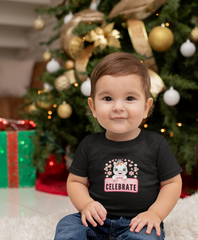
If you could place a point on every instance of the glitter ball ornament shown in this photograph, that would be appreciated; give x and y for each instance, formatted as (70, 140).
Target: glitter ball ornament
(64, 110)
(76, 46)
(86, 87)
(171, 97)
(53, 66)
(161, 38)
(62, 83)
(194, 34)
(39, 23)
(47, 56)
(69, 64)
(188, 48)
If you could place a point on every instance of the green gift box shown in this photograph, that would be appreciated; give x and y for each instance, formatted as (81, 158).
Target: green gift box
(16, 168)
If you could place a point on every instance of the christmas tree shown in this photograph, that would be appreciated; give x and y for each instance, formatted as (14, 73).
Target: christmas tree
(162, 34)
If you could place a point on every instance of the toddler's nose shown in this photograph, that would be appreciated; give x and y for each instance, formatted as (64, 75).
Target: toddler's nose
(118, 106)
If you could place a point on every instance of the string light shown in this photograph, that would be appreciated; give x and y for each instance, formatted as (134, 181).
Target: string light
(54, 106)
(145, 125)
(179, 124)
(76, 84)
(171, 134)
(50, 112)
(89, 23)
(167, 24)
(163, 130)
(49, 117)
(22, 122)
(39, 91)
(51, 163)
(157, 14)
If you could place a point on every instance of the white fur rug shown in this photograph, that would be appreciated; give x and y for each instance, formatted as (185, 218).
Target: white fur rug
(181, 224)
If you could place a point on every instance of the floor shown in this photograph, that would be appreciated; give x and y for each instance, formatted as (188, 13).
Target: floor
(15, 202)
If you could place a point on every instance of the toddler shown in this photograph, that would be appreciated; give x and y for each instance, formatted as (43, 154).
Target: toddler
(115, 177)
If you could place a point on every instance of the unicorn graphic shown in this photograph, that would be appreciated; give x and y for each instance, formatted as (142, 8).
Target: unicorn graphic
(120, 170)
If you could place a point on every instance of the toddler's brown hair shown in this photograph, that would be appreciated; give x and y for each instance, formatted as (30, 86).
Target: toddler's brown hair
(121, 64)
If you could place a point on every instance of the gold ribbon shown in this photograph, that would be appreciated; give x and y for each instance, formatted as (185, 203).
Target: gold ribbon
(134, 12)
(139, 39)
(81, 62)
(131, 9)
(157, 84)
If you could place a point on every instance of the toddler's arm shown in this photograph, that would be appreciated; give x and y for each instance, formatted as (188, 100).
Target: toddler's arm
(91, 210)
(159, 210)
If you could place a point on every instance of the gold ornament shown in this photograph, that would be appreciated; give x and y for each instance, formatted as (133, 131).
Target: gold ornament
(69, 64)
(104, 36)
(161, 38)
(31, 108)
(62, 83)
(64, 110)
(47, 56)
(39, 23)
(194, 34)
(67, 36)
(44, 105)
(142, 9)
(76, 46)
(43, 100)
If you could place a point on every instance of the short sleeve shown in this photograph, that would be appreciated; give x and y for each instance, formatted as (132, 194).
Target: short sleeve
(168, 167)
(79, 164)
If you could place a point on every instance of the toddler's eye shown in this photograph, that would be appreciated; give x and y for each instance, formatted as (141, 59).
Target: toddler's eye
(130, 98)
(107, 99)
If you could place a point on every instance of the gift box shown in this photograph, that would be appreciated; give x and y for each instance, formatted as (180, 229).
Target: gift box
(16, 168)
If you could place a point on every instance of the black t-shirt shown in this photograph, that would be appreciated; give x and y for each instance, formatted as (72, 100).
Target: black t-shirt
(125, 176)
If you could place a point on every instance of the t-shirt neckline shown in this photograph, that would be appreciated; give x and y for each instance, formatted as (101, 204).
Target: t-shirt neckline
(114, 144)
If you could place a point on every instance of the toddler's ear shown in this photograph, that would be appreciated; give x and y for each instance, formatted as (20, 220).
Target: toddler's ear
(148, 105)
(92, 107)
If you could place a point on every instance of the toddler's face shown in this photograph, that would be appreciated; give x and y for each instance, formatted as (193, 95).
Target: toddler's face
(120, 105)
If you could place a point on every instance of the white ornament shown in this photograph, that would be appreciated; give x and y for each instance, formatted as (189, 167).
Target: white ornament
(47, 86)
(171, 97)
(52, 66)
(94, 5)
(68, 17)
(86, 87)
(188, 49)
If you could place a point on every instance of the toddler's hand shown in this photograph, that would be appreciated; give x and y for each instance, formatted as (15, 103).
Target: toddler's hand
(93, 212)
(148, 218)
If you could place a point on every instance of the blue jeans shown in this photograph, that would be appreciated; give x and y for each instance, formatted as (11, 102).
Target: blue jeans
(71, 228)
